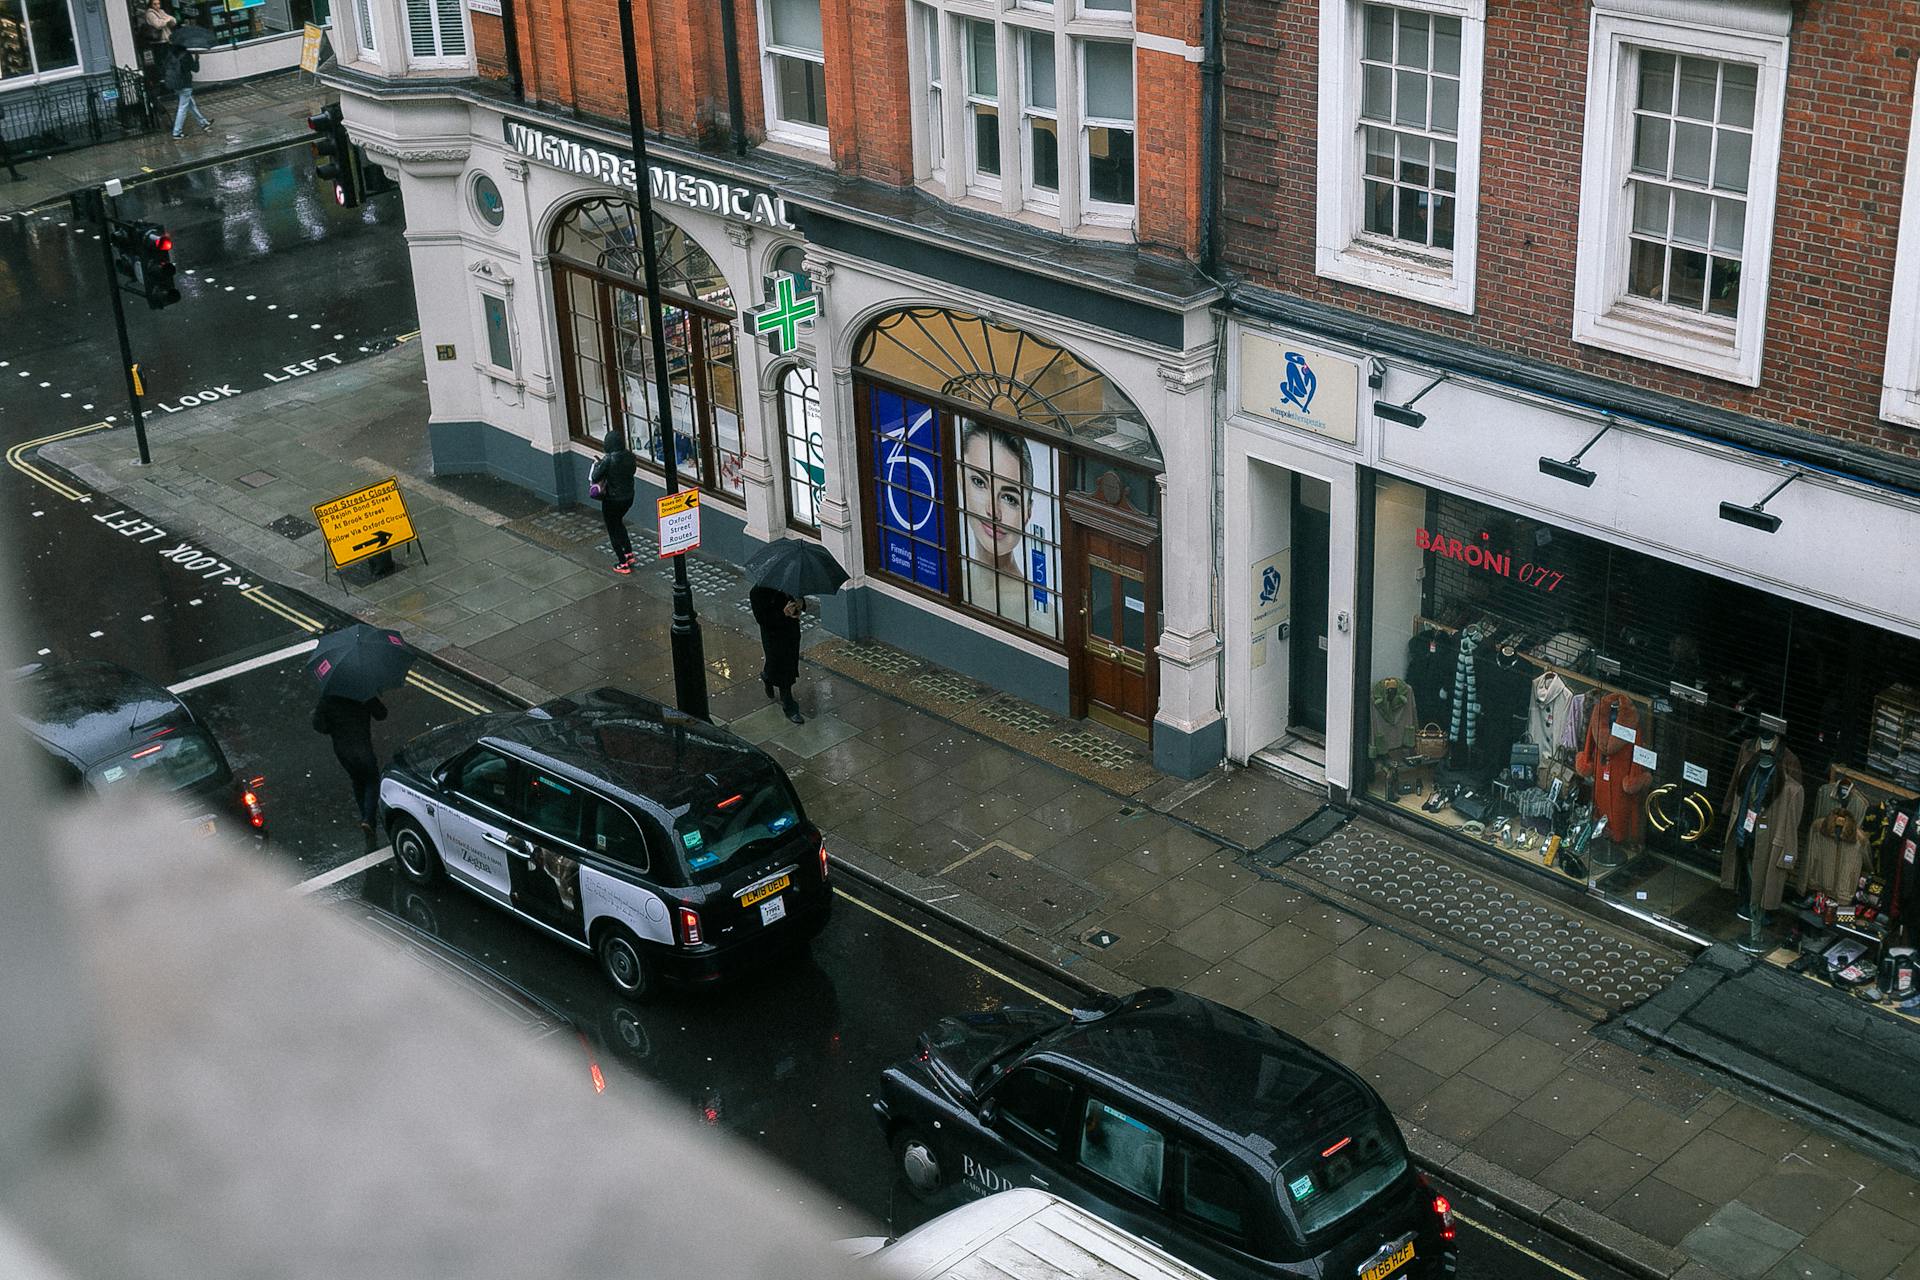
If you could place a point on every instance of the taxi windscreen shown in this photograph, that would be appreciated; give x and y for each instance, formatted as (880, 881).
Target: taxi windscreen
(712, 833)
(1341, 1173)
(168, 764)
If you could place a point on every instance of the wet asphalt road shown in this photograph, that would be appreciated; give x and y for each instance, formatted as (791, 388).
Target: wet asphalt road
(274, 275)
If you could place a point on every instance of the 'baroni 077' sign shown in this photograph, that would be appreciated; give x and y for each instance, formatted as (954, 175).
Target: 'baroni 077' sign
(615, 168)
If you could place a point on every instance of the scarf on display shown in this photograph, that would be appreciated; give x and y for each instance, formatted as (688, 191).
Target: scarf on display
(1466, 692)
(1574, 727)
(1762, 785)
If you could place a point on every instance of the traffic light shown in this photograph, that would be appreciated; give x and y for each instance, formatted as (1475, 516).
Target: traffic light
(333, 155)
(143, 258)
(156, 266)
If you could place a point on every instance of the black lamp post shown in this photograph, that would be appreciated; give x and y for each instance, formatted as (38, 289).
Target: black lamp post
(689, 660)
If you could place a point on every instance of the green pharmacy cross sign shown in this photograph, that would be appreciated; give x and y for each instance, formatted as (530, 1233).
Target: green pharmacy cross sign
(782, 317)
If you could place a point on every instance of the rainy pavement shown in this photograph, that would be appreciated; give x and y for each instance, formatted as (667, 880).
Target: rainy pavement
(277, 283)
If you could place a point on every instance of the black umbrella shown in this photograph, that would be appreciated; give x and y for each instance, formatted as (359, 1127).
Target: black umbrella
(359, 661)
(191, 38)
(797, 568)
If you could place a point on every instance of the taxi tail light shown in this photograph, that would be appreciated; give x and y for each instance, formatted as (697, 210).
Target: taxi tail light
(689, 927)
(1442, 1209)
(250, 799)
(823, 861)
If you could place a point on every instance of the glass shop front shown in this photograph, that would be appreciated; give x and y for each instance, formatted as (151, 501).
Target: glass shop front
(1701, 752)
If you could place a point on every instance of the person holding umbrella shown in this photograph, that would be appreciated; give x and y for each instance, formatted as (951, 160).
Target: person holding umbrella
(353, 666)
(179, 62)
(784, 574)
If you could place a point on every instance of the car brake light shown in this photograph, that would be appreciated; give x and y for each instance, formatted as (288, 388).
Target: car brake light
(729, 802)
(147, 751)
(1335, 1147)
(689, 927)
(823, 860)
(1443, 1210)
(256, 815)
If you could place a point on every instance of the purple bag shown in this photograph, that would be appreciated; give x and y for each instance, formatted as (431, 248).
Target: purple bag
(594, 490)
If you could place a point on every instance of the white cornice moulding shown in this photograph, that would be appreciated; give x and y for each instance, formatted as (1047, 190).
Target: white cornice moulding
(1168, 44)
(1761, 17)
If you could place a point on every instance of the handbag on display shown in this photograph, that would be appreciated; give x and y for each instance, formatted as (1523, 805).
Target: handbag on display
(1526, 755)
(1430, 742)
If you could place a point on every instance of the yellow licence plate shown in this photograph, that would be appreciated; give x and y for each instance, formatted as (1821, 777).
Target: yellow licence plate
(772, 887)
(1386, 1267)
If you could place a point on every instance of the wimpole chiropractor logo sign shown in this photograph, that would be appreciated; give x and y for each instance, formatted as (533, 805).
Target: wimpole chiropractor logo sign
(1298, 385)
(575, 155)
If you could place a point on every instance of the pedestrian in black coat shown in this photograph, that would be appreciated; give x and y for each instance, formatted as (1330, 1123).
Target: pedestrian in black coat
(350, 724)
(779, 617)
(612, 473)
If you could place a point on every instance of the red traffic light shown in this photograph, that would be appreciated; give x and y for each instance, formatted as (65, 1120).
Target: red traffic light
(164, 244)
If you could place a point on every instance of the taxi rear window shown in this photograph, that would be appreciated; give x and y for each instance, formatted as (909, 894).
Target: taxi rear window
(170, 763)
(715, 831)
(1341, 1173)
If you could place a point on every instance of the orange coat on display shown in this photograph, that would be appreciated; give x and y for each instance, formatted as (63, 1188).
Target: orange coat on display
(1606, 760)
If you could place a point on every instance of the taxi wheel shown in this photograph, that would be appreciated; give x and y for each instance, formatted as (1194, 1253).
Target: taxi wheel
(918, 1163)
(415, 853)
(621, 960)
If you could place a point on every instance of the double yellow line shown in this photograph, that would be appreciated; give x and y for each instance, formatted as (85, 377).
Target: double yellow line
(446, 695)
(17, 459)
(284, 610)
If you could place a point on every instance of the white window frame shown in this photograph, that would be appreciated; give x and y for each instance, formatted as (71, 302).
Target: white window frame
(37, 76)
(929, 76)
(1604, 314)
(440, 59)
(780, 129)
(1101, 213)
(1035, 197)
(1900, 380)
(1343, 250)
(985, 186)
(489, 281)
(363, 32)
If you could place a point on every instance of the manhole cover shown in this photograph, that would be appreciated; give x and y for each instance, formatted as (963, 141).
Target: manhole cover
(292, 527)
(254, 479)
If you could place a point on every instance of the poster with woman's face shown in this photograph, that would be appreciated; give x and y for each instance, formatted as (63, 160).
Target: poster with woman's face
(1010, 525)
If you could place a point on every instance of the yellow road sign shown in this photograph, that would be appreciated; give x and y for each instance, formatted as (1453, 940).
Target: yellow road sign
(310, 47)
(364, 523)
(679, 522)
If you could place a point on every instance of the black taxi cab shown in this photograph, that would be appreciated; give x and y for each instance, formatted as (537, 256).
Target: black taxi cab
(1231, 1145)
(670, 849)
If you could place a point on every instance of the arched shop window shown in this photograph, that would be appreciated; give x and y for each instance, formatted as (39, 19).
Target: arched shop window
(971, 433)
(608, 351)
(801, 446)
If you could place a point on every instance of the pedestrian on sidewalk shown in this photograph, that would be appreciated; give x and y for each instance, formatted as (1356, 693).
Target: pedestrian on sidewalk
(779, 617)
(6, 155)
(177, 75)
(349, 722)
(156, 24)
(611, 481)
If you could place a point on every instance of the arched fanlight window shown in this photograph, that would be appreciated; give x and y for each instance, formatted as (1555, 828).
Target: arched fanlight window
(604, 233)
(1008, 372)
(802, 445)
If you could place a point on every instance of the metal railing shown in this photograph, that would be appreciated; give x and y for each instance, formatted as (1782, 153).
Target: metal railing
(68, 114)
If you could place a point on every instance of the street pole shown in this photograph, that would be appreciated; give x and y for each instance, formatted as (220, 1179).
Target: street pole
(689, 659)
(106, 210)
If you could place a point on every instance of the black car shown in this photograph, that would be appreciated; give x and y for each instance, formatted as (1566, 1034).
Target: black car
(102, 727)
(1229, 1144)
(668, 848)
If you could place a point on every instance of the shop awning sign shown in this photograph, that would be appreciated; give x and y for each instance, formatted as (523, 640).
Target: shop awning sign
(787, 314)
(679, 515)
(364, 523)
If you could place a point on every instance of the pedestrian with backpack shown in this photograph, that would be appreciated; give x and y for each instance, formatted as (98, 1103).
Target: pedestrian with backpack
(177, 75)
(611, 482)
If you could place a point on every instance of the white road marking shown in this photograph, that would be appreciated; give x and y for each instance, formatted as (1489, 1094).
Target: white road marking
(44, 652)
(95, 635)
(926, 937)
(241, 668)
(146, 617)
(343, 871)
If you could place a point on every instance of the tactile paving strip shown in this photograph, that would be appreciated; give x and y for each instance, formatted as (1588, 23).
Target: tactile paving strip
(1534, 935)
(882, 658)
(1093, 747)
(573, 525)
(807, 620)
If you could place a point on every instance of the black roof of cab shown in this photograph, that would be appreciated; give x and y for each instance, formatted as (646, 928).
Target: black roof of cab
(645, 752)
(90, 711)
(1218, 1070)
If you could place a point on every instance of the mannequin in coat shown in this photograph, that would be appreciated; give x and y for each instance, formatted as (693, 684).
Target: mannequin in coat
(1762, 848)
(1606, 760)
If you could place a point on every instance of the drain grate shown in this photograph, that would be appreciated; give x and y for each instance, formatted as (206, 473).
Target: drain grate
(882, 658)
(1017, 716)
(1096, 749)
(947, 686)
(293, 527)
(1563, 948)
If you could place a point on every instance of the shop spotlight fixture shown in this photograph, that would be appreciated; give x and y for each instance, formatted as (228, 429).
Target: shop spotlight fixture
(1571, 471)
(1757, 516)
(1405, 414)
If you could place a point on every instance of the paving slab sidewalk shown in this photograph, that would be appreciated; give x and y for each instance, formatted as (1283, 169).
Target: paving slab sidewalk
(1468, 999)
(256, 115)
